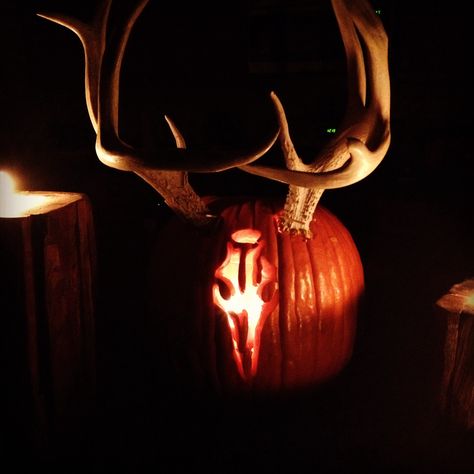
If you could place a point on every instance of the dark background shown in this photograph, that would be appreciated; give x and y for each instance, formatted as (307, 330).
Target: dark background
(411, 219)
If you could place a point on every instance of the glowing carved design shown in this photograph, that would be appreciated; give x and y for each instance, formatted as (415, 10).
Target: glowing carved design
(250, 295)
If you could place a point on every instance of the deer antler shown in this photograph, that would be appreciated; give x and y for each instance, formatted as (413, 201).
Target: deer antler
(364, 137)
(104, 51)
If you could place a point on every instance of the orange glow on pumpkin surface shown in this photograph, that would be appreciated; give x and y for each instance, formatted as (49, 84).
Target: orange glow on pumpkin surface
(247, 295)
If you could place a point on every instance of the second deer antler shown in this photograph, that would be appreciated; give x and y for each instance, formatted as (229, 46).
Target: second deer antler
(364, 136)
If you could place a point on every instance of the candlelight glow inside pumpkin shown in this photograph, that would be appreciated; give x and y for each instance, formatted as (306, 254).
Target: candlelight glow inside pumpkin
(247, 279)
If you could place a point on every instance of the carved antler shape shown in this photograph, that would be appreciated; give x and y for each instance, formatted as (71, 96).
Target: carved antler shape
(104, 51)
(364, 136)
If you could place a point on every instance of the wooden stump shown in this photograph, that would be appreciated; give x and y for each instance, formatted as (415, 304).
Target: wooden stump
(47, 322)
(457, 396)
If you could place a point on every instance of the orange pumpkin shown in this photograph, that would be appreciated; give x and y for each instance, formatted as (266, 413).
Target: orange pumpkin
(306, 331)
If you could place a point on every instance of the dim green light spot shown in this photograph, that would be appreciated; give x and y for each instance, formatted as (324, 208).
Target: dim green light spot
(330, 130)
(378, 12)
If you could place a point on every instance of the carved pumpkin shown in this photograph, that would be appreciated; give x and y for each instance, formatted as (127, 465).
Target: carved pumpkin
(307, 335)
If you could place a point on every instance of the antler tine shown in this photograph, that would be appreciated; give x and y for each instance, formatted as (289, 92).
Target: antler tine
(178, 137)
(362, 163)
(364, 138)
(92, 37)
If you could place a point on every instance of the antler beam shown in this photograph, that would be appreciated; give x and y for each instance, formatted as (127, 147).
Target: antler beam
(104, 51)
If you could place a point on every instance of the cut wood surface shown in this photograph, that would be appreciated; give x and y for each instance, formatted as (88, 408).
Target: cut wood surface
(457, 397)
(47, 336)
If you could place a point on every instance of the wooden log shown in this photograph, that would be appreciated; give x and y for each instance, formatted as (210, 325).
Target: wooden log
(47, 321)
(457, 394)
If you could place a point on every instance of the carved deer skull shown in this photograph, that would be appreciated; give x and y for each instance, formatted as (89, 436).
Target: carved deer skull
(357, 149)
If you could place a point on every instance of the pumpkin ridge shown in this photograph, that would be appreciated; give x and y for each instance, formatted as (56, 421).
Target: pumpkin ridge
(286, 279)
(333, 228)
(319, 257)
(294, 304)
(273, 225)
(317, 305)
(304, 321)
(347, 264)
(268, 375)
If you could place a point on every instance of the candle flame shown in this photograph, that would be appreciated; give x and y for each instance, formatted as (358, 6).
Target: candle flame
(13, 203)
(7, 184)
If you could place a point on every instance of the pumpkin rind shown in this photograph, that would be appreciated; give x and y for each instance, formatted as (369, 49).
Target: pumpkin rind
(306, 340)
